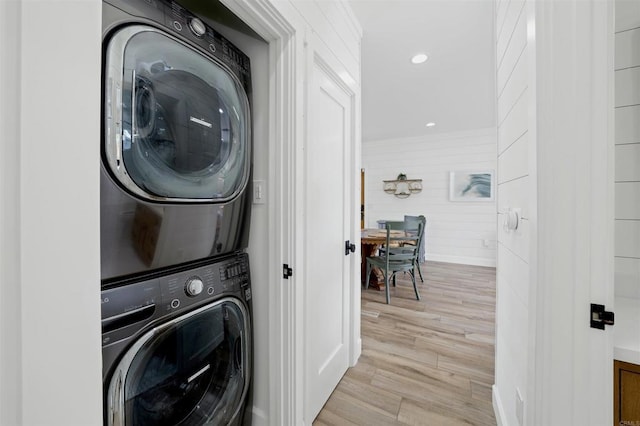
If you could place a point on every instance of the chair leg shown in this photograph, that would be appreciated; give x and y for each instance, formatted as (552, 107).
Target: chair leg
(419, 271)
(368, 275)
(415, 287)
(387, 281)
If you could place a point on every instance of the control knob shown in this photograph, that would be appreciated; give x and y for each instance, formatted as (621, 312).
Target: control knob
(197, 27)
(193, 286)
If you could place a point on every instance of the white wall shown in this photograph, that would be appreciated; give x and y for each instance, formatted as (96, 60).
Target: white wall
(555, 110)
(50, 358)
(627, 116)
(10, 301)
(457, 232)
(515, 190)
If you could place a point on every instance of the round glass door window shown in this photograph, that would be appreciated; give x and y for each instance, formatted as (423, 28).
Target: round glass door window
(191, 372)
(177, 122)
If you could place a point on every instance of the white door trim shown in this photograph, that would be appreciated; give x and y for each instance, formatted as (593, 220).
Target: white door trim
(571, 371)
(285, 406)
(11, 389)
(282, 26)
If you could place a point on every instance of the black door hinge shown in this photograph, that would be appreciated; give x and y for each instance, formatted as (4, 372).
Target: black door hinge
(286, 271)
(600, 317)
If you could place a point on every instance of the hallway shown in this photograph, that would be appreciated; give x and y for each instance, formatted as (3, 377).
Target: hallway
(427, 362)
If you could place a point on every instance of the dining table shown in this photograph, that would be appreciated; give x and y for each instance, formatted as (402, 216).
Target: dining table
(371, 239)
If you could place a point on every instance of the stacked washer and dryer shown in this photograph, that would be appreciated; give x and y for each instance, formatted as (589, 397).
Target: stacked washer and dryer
(175, 211)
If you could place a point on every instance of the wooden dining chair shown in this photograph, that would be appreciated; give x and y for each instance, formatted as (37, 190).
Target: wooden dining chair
(392, 260)
(420, 241)
(414, 236)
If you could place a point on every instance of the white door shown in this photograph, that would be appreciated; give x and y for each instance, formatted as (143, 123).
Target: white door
(572, 369)
(328, 222)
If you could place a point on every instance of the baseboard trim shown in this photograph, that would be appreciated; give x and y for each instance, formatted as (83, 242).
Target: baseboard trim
(497, 407)
(475, 261)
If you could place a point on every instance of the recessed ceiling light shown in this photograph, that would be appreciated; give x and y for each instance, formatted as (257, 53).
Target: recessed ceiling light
(431, 124)
(419, 58)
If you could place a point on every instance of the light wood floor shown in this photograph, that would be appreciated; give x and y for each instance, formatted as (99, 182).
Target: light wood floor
(427, 362)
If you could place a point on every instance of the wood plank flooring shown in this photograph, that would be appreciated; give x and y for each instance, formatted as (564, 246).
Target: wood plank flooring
(427, 362)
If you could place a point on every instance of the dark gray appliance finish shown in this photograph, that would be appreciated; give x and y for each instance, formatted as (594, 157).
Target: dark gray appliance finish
(176, 144)
(177, 347)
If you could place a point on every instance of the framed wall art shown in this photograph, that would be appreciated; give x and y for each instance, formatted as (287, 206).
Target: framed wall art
(471, 185)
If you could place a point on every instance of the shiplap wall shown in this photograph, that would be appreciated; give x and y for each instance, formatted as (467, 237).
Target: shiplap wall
(457, 232)
(627, 116)
(514, 191)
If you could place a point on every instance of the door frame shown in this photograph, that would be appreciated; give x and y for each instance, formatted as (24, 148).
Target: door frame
(286, 33)
(284, 43)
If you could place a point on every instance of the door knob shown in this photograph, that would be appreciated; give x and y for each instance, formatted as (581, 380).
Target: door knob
(349, 248)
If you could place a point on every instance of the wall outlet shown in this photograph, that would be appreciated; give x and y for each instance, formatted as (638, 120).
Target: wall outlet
(519, 407)
(485, 243)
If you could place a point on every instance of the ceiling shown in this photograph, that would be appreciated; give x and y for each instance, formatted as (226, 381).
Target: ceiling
(454, 88)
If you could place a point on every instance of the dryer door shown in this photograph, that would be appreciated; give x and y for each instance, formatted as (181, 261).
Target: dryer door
(193, 370)
(176, 121)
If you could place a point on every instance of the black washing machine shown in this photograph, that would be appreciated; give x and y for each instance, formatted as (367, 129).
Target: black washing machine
(176, 140)
(177, 347)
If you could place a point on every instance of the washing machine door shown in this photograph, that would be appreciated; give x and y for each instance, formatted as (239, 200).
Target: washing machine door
(176, 121)
(193, 370)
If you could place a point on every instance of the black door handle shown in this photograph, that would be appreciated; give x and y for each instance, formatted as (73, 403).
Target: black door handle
(349, 248)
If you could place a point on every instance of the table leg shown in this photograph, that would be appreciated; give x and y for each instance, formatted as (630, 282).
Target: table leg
(377, 277)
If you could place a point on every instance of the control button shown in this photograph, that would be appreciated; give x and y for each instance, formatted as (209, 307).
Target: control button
(177, 25)
(212, 48)
(175, 303)
(210, 291)
(197, 27)
(193, 287)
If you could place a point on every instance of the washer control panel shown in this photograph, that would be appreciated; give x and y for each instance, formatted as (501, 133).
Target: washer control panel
(136, 304)
(183, 289)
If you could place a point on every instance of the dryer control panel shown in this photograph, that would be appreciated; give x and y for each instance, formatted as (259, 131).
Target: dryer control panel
(188, 26)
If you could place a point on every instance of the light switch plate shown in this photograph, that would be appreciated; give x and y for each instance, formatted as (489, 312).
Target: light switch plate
(259, 192)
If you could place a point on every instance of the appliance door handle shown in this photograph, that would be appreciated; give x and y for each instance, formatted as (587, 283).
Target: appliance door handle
(127, 318)
(237, 355)
(116, 403)
(118, 120)
(134, 129)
